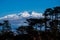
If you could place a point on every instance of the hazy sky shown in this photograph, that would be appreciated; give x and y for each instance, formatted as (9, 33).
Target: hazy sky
(16, 6)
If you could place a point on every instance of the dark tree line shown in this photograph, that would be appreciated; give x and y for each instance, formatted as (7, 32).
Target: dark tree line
(51, 22)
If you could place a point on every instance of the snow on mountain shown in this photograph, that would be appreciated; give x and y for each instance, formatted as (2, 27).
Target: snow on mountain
(20, 18)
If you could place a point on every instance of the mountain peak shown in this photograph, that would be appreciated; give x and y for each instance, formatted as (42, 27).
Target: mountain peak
(24, 14)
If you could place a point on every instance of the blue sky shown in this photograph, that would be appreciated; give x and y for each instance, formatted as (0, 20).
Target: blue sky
(16, 6)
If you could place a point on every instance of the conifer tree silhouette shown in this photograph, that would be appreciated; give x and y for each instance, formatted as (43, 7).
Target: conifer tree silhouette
(7, 34)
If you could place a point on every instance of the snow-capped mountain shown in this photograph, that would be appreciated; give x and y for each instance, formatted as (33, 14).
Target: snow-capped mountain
(20, 18)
